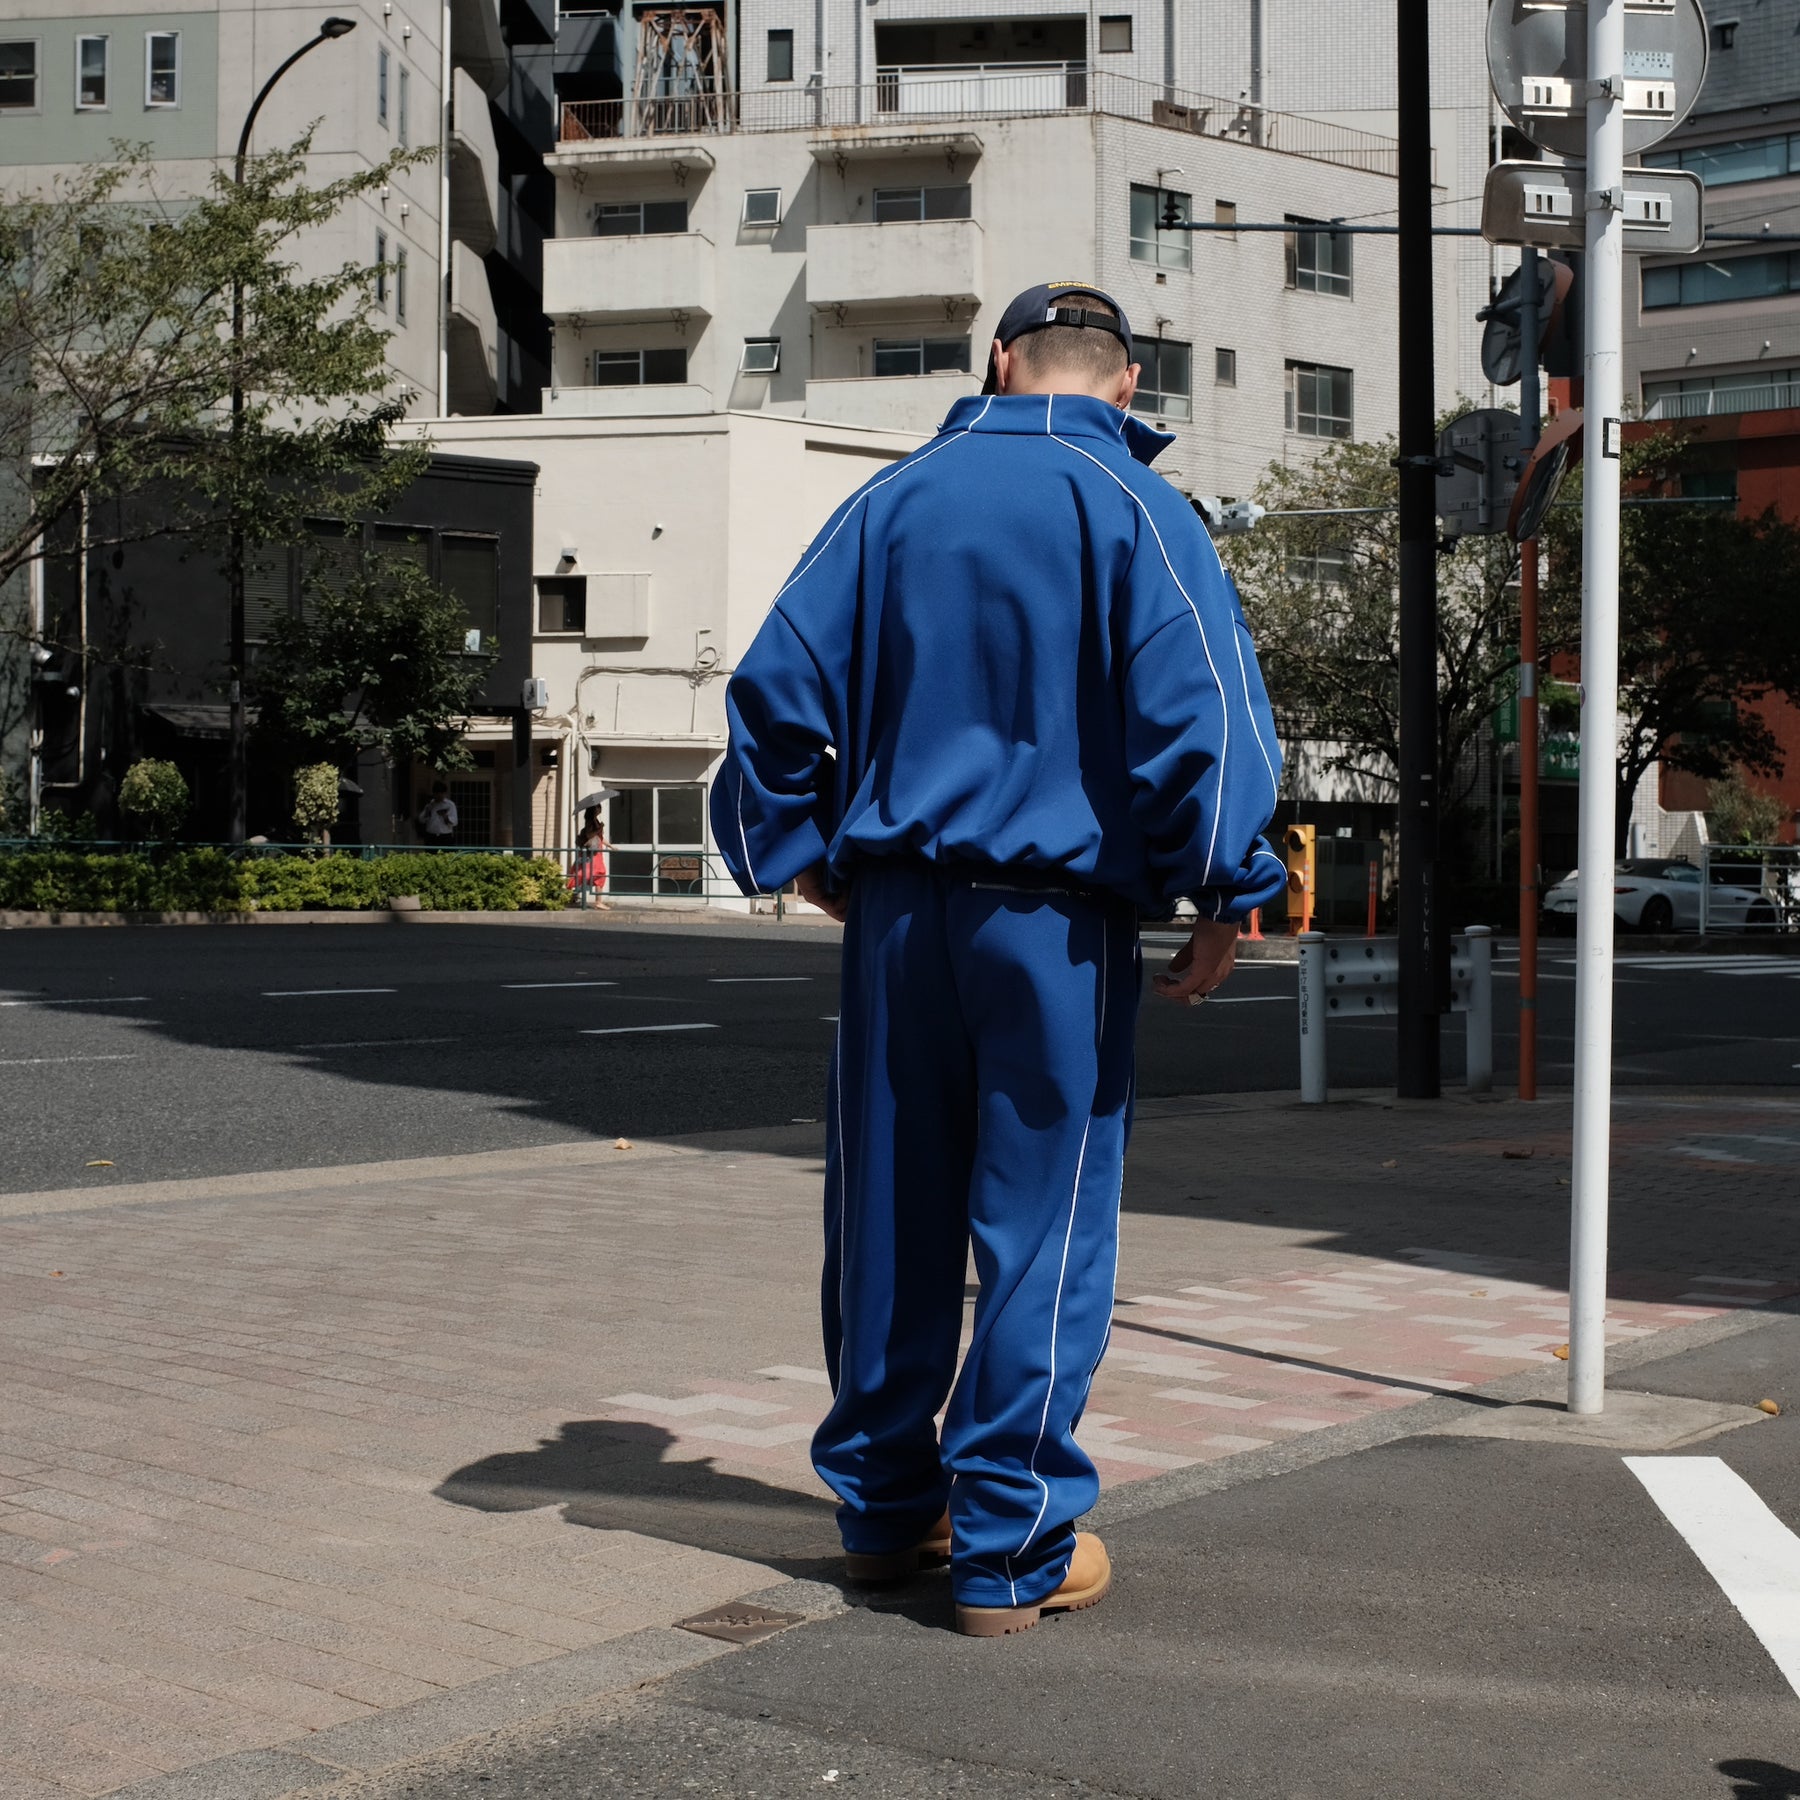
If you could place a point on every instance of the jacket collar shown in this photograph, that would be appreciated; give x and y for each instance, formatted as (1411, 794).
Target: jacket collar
(1058, 415)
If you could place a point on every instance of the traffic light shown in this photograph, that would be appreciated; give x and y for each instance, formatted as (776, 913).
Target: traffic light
(1171, 214)
(1303, 873)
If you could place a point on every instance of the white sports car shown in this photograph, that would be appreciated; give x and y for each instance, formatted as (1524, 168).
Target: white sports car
(1655, 894)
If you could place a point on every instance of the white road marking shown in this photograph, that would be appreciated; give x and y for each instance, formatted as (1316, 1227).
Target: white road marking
(27, 1062)
(517, 986)
(623, 1030)
(373, 1043)
(305, 993)
(742, 980)
(97, 1000)
(1753, 1557)
(1245, 999)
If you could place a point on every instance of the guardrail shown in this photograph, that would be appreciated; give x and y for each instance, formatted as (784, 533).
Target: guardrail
(1360, 978)
(1749, 888)
(1768, 396)
(955, 93)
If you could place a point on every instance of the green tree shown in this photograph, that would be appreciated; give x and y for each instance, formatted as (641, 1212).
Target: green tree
(316, 801)
(1708, 627)
(117, 360)
(375, 661)
(1321, 591)
(154, 797)
(1737, 814)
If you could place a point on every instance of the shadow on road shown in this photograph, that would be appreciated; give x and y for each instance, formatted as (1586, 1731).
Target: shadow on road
(615, 1475)
(1757, 1780)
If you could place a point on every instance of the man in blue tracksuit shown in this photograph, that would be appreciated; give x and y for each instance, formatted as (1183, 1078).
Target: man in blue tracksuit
(1006, 701)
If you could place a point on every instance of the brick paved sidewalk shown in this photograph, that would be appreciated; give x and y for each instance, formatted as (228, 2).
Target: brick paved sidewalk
(278, 1453)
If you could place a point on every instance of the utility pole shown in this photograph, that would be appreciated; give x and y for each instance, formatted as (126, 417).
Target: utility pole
(1603, 278)
(1421, 929)
(239, 748)
(1531, 422)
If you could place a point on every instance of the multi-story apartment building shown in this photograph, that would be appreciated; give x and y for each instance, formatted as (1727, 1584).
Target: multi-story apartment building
(461, 234)
(780, 256)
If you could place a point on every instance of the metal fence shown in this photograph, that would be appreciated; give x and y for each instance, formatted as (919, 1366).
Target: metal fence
(1749, 888)
(1764, 396)
(958, 93)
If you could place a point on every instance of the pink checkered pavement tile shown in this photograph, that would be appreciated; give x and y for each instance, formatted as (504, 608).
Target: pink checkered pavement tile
(1206, 1370)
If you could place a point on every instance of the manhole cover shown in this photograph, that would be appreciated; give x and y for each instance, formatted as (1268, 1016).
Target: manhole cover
(739, 1623)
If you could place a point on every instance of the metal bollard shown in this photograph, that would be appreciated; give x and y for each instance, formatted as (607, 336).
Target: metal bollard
(1481, 1009)
(1312, 1017)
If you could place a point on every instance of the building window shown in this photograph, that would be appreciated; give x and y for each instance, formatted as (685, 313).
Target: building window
(639, 368)
(1744, 159)
(19, 75)
(657, 840)
(762, 356)
(1166, 385)
(162, 68)
(402, 109)
(1318, 400)
(640, 218)
(91, 56)
(1224, 368)
(921, 356)
(1115, 33)
(762, 208)
(1150, 243)
(381, 270)
(1323, 566)
(469, 567)
(562, 605)
(781, 56)
(1318, 262)
(898, 205)
(1225, 213)
(381, 86)
(400, 286)
(1725, 278)
(1725, 34)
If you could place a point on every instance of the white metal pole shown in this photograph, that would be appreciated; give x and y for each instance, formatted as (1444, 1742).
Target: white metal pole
(1312, 1018)
(1604, 276)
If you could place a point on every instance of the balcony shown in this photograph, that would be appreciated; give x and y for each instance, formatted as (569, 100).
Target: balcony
(1738, 396)
(658, 400)
(474, 166)
(622, 280)
(474, 335)
(855, 267)
(957, 90)
(890, 403)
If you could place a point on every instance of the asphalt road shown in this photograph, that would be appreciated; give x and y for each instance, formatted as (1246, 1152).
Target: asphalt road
(190, 1051)
(1437, 1616)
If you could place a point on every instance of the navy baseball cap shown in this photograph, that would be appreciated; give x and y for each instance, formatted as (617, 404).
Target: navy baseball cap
(1057, 303)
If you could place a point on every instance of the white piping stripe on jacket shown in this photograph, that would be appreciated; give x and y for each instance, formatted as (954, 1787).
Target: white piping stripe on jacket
(1061, 1278)
(911, 462)
(744, 837)
(1206, 649)
(1237, 638)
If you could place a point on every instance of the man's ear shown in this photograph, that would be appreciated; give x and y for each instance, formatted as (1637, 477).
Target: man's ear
(1003, 362)
(1127, 388)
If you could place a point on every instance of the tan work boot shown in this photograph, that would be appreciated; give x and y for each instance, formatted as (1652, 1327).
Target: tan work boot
(1089, 1577)
(896, 1565)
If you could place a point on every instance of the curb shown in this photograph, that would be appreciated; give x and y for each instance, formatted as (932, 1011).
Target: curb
(614, 918)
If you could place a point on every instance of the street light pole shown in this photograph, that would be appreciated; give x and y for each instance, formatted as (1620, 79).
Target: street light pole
(239, 749)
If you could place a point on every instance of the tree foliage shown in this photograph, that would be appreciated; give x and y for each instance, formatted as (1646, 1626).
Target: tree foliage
(316, 800)
(1737, 814)
(117, 359)
(1708, 626)
(374, 661)
(1321, 592)
(154, 797)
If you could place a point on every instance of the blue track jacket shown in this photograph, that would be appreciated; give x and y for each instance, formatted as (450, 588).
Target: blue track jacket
(1014, 647)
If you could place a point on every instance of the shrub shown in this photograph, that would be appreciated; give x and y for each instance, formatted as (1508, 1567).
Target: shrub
(154, 797)
(315, 800)
(74, 881)
(1737, 814)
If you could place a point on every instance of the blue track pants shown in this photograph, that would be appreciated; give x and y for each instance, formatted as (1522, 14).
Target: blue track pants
(981, 1091)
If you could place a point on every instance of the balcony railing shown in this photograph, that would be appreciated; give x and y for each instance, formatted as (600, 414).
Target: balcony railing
(954, 93)
(1770, 396)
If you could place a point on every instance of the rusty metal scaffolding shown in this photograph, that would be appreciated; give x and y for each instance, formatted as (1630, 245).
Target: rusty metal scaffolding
(682, 85)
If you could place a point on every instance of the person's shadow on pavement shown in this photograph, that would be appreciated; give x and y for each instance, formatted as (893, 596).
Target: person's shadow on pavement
(615, 1475)
(1758, 1780)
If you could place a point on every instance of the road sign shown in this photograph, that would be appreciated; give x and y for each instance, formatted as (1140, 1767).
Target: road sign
(1538, 62)
(1480, 457)
(1502, 344)
(1545, 204)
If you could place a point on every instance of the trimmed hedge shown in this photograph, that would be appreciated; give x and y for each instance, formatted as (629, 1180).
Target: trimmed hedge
(213, 881)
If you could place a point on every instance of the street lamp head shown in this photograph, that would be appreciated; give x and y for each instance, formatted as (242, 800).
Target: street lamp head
(335, 27)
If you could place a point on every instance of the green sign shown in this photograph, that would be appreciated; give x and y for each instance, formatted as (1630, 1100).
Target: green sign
(1561, 757)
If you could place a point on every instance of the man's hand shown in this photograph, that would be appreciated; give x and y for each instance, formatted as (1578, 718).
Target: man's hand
(1200, 965)
(810, 885)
